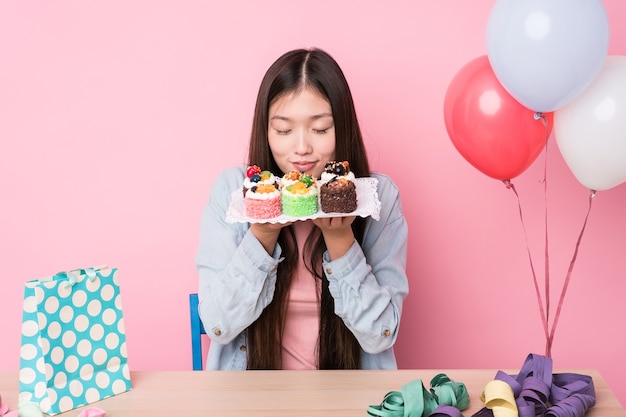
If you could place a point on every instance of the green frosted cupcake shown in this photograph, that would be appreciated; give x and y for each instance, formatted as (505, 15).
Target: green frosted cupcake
(299, 194)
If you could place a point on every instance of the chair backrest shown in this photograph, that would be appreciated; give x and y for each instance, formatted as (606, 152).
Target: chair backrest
(197, 329)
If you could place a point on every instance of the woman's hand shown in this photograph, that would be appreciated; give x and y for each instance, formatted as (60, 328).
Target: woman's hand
(267, 234)
(338, 235)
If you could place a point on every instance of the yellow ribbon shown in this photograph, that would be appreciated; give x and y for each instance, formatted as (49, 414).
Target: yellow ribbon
(499, 398)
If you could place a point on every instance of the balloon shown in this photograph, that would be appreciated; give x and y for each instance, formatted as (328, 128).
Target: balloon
(489, 128)
(591, 130)
(545, 52)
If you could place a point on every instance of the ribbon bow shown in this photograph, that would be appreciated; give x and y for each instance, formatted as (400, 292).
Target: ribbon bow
(444, 399)
(537, 391)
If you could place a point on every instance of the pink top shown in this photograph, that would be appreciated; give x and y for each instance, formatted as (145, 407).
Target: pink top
(299, 349)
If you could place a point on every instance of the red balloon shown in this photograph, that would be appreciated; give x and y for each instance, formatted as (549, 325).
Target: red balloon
(490, 129)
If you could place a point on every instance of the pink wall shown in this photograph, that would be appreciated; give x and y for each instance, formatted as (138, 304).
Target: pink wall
(116, 116)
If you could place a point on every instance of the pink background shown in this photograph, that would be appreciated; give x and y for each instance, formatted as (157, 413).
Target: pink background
(116, 116)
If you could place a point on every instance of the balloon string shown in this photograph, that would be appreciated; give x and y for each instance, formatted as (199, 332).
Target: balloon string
(541, 116)
(544, 321)
(545, 314)
(570, 269)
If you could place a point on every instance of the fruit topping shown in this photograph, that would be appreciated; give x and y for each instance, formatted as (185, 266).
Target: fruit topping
(292, 175)
(265, 188)
(306, 179)
(298, 188)
(252, 170)
(337, 168)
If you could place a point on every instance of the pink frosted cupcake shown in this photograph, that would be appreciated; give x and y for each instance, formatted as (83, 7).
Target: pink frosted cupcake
(261, 195)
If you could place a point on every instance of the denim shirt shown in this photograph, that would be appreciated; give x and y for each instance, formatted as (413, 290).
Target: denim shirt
(237, 277)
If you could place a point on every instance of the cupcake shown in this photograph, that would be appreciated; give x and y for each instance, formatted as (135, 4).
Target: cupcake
(337, 189)
(261, 196)
(298, 194)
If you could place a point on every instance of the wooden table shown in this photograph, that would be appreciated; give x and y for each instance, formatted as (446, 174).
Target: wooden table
(285, 393)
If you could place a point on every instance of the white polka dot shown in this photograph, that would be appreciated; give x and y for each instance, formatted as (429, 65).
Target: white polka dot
(66, 403)
(40, 389)
(66, 314)
(71, 364)
(60, 380)
(54, 330)
(42, 320)
(24, 396)
(30, 328)
(64, 291)
(52, 397)
(79, 298)
(94, 308)
(93, 285)
(84, 347)
(49, 371)
(120, 326)
(28, 351)
(39, 295)
(52, 305)
(118, 303)
(119, 386)
(109, 316)
(114, 364)
(57, 355)
(69, 339)
(46, 403)
(41, 366)
(49, 284)
(30, 304)
(96, 332)
(81, 323)
(123, 350)
(107, 292)
(99, 356)
(92, 395)
(86, 372)
(76, 388)
(102, 379)
(112, 341)
(45, 345)
(27, 375)
(126, 371)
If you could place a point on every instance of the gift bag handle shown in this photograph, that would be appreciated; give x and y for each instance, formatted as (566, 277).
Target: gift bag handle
(71, 275)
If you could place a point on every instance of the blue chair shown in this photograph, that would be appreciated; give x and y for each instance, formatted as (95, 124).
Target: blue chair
(197, 330)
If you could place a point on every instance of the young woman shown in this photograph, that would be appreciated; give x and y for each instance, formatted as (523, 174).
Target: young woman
(325, 293)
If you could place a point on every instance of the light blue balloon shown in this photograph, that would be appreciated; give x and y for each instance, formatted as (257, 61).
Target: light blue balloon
(546, 52)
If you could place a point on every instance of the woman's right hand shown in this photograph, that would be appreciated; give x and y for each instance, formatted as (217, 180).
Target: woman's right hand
(267, 234)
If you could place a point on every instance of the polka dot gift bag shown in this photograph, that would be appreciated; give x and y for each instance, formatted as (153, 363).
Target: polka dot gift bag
(73, 341)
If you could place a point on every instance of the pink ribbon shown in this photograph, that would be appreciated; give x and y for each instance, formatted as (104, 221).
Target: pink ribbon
(92, 412)
(31, 410)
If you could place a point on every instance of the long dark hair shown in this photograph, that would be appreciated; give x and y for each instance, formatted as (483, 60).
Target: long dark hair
(292, 72)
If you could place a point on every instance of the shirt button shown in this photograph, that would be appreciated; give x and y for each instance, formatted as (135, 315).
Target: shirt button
(329, 271)
(386, 332)
(217, 332)
(242, 348)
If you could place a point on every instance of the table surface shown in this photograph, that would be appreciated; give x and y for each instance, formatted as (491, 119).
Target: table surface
(285, 393)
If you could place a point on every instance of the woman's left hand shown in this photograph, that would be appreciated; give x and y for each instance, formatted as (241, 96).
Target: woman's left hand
(337, 232)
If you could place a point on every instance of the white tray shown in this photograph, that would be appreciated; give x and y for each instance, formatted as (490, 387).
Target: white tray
(368, 204)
